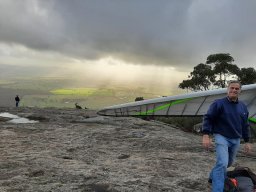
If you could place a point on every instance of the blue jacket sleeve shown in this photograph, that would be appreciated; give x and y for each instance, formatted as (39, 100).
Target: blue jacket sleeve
(246, 128)
(210, 117)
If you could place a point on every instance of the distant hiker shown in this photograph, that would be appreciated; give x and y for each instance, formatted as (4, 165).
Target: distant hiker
(17, 99)
(78, 106)
(227, 120)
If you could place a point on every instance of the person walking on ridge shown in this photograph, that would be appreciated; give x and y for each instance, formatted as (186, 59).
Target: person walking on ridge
(17, 99)
(227, 120)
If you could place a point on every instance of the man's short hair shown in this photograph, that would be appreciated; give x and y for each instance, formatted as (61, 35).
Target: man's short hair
(235, 81)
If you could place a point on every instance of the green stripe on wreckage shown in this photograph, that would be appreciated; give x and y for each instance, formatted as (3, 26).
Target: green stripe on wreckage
(159, 108)
(252, 119)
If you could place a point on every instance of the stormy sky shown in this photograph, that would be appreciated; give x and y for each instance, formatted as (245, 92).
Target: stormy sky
(161, 36)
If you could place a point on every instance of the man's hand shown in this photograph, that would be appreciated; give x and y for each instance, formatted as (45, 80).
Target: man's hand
(247, 148)
(207, 142)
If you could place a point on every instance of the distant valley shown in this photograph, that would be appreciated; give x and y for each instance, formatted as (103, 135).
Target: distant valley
(64, 93)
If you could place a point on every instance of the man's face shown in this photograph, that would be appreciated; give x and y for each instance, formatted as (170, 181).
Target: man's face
(233, 91)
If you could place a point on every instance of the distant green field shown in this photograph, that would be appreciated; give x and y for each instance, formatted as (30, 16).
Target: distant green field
(68, 101)
(64, 93)
(93, 98)
(74, 91)
(5, 82)
(83, 92)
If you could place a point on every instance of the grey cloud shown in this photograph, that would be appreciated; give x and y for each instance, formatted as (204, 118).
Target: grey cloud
(164, 32)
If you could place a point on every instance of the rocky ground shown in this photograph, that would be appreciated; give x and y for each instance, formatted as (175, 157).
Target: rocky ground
(76, 150)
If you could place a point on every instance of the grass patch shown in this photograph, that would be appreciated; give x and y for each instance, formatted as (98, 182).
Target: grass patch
(74, 91)
(84, 92)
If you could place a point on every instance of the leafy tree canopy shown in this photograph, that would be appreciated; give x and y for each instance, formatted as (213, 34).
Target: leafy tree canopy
(219, 58)
(201, 78)
(247, 76)
(216, 72)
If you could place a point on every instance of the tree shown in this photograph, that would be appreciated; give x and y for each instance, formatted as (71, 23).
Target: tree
(247, 76)
(139, 99)
(187, 84)
(201, 78)
(223, 67)
(204, 75)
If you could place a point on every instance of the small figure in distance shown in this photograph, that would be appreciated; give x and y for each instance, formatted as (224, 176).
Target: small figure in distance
(17, 100)
(78, 106)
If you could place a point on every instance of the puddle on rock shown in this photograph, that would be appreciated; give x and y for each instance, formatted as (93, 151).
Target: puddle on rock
(16, 119)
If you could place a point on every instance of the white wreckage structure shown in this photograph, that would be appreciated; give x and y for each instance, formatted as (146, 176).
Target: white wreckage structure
(191, 104)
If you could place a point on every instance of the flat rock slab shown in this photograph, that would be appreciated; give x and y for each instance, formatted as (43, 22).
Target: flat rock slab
(74, 150)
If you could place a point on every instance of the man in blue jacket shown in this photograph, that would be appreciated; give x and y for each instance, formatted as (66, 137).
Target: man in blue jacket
(227, 120)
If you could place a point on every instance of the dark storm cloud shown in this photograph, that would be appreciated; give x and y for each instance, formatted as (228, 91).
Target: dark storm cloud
(164, 32)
